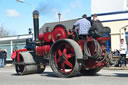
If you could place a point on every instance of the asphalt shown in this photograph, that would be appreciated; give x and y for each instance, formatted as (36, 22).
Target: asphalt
(8, 76)
(106, 68)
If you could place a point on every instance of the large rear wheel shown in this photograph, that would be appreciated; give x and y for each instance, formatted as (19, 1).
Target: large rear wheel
(64, 57)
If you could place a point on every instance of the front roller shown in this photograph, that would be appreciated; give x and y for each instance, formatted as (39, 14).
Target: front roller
(27, 64)
(64, 57)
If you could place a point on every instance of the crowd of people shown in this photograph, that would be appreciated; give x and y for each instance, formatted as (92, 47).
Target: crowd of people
(122, 53)
(3, 56)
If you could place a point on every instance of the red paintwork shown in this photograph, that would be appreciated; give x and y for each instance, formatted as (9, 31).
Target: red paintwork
(62, 64)
(91, 47)
(92, 64)
(89, 39)
(103, 40)
(81, 43)
(41, 36)
(18, 53)
(42, 50)
(47, 37)
(13, 55)
(59, 32)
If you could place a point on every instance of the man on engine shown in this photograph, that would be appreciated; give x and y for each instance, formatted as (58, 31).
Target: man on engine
(97, 29)
(84, 26)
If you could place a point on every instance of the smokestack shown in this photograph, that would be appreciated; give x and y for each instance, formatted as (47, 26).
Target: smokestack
(36, 24)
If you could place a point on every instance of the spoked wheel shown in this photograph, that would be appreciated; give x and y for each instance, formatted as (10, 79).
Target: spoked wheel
(59, 32)
(64, 56)
(90, 71)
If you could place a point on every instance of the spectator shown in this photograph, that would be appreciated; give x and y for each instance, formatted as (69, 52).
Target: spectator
(13, 55)
(2, 57)
(116, 52)
(123, 50)
(5, 54)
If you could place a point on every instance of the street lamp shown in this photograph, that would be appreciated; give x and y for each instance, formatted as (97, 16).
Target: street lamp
(59, 15)
(22, 1)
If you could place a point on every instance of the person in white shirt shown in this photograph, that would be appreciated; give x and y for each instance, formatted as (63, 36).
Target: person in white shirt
(123, 50)
(84, 26)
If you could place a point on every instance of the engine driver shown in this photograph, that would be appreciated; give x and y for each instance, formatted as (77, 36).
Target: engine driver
(84, 26)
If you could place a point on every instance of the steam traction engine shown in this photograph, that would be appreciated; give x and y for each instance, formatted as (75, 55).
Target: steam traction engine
(66, 56)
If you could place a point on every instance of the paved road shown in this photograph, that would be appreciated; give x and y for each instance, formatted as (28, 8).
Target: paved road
(104, 77)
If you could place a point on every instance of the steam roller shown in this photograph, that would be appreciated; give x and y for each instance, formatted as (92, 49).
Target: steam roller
(27, 64)
(66, 54)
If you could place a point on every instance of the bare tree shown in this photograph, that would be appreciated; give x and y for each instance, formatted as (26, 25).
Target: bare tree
(3, 32)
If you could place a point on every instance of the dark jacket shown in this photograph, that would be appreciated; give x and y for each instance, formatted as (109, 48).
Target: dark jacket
(97, 28)
(2, 54)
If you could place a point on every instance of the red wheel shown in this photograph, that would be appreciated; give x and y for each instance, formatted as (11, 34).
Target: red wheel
(59, 32)
(63, 58)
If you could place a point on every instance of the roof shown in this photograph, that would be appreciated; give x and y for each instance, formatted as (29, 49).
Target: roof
(15, 39)
(68, 25)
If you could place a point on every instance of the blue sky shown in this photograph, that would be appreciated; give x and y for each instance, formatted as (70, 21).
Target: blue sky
(16, 17)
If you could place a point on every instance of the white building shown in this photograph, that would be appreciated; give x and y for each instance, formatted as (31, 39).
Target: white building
(9, 43)
(113, 13)
(106, 6)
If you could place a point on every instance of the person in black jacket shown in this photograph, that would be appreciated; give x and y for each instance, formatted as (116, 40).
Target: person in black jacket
(97, 28)
(5, 56)
(2, 57)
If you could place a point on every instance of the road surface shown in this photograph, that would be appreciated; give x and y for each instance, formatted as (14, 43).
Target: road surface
(104, 77)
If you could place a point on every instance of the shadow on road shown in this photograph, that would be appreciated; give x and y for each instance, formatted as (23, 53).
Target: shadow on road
(15, 74)
(48, 74)
(121, 75)
(52, 75)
